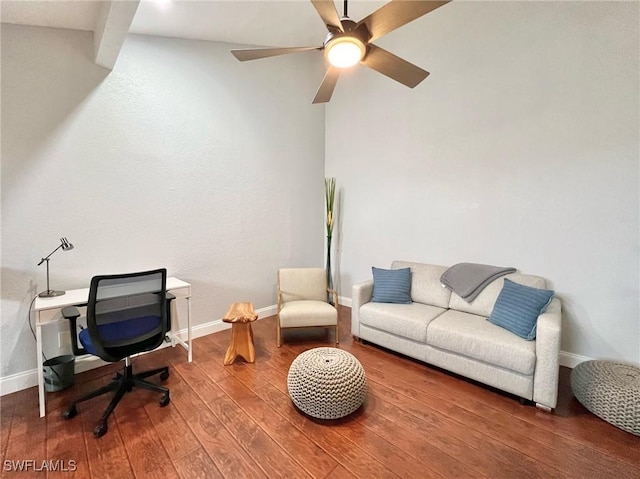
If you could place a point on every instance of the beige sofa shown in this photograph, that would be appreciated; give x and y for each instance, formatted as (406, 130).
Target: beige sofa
(441, 328)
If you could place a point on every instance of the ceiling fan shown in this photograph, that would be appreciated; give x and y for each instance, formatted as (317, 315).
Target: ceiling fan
(349, 43)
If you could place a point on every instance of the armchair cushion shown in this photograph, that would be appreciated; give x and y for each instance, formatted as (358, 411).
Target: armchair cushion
(391, 285)
(307, 313)
(518, 307)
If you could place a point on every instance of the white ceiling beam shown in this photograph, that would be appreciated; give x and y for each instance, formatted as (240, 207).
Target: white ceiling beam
(111, 29)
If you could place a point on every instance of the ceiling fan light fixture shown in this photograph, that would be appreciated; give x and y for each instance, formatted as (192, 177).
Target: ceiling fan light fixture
(345, 51)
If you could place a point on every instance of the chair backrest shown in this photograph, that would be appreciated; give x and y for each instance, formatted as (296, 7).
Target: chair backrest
(127, 313)
(297, 284)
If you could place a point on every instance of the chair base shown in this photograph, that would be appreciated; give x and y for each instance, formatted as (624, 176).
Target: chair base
(122, 384)
(279, 330)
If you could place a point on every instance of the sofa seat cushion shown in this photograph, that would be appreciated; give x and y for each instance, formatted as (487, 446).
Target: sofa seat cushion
(473, 336)
(406, 320)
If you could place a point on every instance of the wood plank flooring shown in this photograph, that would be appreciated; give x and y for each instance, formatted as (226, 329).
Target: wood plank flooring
(238, 422)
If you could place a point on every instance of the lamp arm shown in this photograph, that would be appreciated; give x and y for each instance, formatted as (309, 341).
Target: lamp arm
(45, 259)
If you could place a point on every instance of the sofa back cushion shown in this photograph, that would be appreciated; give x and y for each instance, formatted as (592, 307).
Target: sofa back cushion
(425, 283)
(484, 302)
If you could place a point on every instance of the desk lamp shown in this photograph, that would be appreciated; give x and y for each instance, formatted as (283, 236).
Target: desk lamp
(66, 246)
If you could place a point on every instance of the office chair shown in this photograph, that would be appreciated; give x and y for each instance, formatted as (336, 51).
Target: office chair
(126, 314)
(303, 301)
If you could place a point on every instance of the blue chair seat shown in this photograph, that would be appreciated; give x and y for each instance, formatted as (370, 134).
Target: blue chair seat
(120, 331)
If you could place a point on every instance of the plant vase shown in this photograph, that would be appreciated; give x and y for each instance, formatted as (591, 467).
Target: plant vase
(328, 267)
(329, 198)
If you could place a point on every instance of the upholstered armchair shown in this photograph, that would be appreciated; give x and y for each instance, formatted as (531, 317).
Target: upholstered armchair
(303, 300)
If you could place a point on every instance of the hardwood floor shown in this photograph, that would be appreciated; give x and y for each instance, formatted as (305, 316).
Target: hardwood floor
(238, 422)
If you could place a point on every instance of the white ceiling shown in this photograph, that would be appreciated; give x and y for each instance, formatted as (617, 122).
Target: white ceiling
(57, 14)
(253, 22)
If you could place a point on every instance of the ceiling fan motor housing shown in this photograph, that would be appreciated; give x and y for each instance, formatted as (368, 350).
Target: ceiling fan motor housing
(351, 29)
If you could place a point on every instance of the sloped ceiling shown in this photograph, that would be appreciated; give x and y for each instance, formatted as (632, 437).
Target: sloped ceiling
(251, 22)
(109, 21)
(56, 14)
(271, 23)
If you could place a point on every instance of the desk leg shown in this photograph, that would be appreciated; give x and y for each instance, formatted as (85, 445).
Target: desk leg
(190, 350)
(41, 398)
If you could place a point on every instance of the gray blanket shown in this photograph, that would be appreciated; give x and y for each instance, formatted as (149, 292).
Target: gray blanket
(468, 280)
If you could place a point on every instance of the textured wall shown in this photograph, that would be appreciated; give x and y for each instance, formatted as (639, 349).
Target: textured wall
(521, 149)
(180, 157)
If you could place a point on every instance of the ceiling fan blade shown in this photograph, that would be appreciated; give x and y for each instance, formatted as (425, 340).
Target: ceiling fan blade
(394, 67)
(397, 13)
(256, 53)
(327, 11)
(328, 84)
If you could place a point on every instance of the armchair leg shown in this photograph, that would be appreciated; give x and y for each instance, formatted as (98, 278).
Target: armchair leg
(337, 334)
(278, 332)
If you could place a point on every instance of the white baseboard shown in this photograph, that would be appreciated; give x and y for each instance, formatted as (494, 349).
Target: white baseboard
(19, 381)
(571, 360)
(344, 301)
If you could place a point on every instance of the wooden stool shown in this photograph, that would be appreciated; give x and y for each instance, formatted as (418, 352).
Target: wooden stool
(240, 315)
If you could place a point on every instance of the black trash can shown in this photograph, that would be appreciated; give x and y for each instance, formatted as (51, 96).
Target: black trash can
(59, 372)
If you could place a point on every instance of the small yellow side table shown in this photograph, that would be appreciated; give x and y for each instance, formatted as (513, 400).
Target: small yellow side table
(240, 315)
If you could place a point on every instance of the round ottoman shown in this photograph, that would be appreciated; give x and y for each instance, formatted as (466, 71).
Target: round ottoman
(327, 383)
(611, 391)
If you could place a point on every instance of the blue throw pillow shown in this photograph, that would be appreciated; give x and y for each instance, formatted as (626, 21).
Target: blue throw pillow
(518, 307)
(391, 285)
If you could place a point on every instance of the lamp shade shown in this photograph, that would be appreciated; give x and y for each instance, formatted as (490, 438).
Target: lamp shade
(66, 246)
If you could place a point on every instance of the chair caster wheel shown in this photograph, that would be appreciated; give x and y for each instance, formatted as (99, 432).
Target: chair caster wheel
(164, 376)
(70, 413)
(100, 429)
(165, 400)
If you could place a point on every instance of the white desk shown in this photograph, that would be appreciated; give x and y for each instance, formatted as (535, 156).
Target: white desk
(46, 308)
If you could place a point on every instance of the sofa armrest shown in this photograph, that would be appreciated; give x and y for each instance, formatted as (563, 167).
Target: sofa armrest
(361, 294)
(548, 333)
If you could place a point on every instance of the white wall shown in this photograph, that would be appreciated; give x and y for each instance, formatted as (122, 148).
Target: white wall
(181, 157)
(521, 149)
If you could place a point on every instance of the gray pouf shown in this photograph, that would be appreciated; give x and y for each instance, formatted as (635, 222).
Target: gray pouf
(611, 391)
(327, 383)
